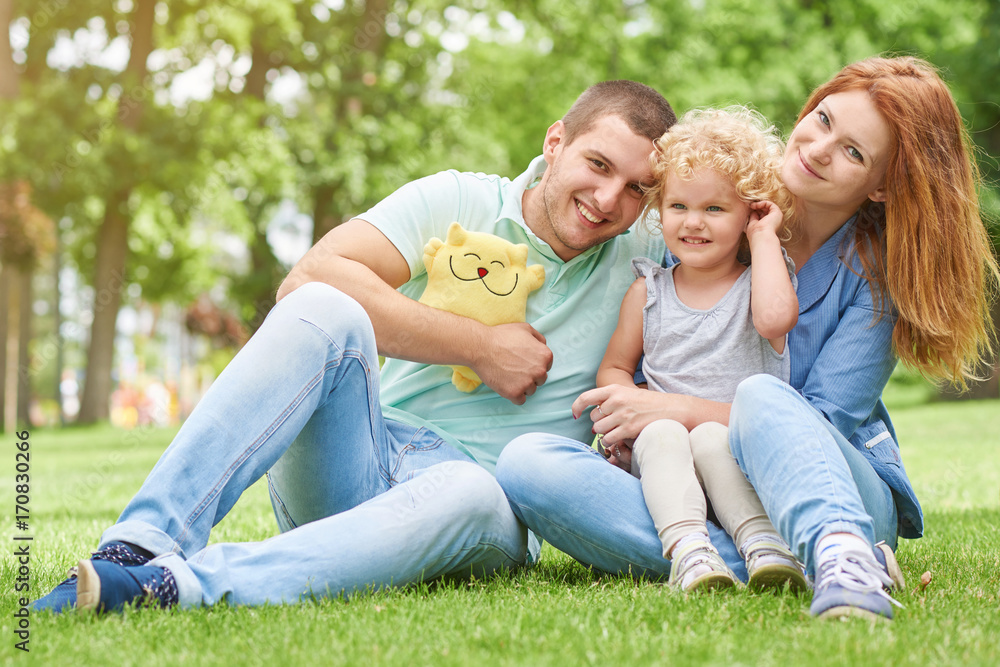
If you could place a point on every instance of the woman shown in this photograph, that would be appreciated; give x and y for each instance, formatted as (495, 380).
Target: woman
(894, 263)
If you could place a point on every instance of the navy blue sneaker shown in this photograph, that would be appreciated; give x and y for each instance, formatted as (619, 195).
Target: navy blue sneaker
(853, 583)
(63, 596)
(105, 586)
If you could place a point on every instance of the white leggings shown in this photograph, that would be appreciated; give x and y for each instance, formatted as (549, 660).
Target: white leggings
(678, 469)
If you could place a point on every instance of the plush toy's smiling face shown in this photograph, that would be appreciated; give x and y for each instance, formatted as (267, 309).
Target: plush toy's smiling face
(479, 276)
(499, 277)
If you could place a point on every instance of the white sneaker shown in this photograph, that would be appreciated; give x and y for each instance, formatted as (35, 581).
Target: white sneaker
(698, 566)
(771, 564)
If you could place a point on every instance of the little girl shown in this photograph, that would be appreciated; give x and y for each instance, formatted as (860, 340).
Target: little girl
(700, 327)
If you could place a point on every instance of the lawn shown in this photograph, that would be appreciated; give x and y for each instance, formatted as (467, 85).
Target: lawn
(557, 613)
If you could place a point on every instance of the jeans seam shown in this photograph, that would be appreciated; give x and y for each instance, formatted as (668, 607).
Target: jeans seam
(210, 497)
(281, 503)
(410, 447)
(489, 544)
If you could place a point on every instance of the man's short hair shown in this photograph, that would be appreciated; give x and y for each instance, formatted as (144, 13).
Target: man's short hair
(644, 110)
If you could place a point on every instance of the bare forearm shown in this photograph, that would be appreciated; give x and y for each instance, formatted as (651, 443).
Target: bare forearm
(774, 303)
(606, 376)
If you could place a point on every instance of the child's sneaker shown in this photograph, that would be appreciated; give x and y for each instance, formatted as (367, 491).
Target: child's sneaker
(698, 566)
(771, 564)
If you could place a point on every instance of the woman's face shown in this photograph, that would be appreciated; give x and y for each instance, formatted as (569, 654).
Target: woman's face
(837, 155)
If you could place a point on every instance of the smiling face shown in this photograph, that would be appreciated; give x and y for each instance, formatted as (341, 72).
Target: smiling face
(836, 156)
(592, 188)
(703, 220)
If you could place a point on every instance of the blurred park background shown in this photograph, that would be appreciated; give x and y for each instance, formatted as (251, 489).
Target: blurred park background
(163, 164)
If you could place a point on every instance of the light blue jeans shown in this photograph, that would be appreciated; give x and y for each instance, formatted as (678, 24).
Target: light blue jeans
(567, 494)
(811, 480)
(363, 502)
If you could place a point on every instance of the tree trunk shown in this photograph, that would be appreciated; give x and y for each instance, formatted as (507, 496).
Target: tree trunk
(9, 84)
(370, 51)
(12, 282)
(9, 89)
(112, 245)
(324, 217)
(26, 299)
(109, 281)
(266, 270)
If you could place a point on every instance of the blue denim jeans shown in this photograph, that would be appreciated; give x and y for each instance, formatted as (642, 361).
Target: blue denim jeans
(810, 478)
(567, 494)
(363, 502)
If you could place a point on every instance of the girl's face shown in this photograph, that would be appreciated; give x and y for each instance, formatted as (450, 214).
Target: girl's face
(703, 219)
(837, 155)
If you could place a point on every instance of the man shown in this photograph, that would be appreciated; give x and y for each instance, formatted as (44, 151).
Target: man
(379, 481)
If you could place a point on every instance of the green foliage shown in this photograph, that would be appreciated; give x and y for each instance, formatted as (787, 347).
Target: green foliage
(387, 91)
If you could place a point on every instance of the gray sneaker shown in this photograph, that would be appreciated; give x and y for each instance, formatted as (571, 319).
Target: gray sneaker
(887, 559)
(853, 584)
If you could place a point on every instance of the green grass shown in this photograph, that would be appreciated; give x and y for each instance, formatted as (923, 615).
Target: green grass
(556, 614)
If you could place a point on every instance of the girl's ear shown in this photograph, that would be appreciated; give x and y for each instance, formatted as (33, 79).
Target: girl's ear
(877, 195)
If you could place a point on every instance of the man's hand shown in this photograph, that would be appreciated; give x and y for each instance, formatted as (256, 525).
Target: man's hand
(514, 361)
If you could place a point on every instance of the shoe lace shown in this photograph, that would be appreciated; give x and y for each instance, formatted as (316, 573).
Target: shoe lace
(762, 547)
(856, 571)
(162, 590)
(120, 555)
(691, 556)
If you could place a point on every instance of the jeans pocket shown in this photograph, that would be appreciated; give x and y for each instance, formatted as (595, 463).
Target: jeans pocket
(424, 449)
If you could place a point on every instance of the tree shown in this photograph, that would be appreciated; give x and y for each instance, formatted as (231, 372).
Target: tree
(26, 235)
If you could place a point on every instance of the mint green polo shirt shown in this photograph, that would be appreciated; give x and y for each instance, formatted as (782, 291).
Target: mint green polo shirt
(576, 310)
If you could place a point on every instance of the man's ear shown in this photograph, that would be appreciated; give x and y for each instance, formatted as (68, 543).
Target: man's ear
(877, 195)
(553, 140)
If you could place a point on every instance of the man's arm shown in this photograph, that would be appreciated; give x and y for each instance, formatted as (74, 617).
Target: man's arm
(357, 259)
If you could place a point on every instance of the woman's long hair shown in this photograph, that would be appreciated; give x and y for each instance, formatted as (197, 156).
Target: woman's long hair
(926, 249)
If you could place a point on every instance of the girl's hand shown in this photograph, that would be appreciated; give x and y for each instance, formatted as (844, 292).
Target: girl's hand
(765, 216)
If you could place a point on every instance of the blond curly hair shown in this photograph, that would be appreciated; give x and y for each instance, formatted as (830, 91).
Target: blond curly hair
(735, 141)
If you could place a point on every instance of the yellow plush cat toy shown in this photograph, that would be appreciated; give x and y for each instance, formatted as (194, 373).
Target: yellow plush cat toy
(480, 276)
